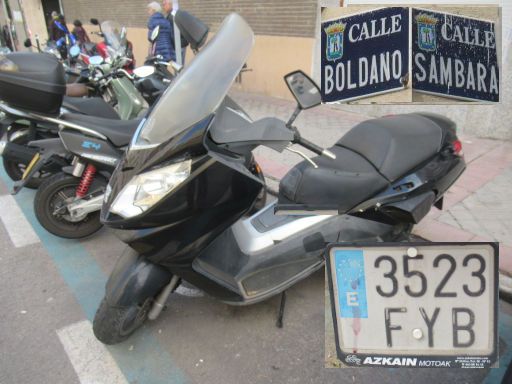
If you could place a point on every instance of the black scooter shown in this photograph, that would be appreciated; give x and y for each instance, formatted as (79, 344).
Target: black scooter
(179, 195)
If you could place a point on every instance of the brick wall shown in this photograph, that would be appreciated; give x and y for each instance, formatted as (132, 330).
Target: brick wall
(267, 17)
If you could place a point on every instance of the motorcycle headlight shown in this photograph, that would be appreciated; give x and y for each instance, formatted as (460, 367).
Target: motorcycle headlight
(148, 188)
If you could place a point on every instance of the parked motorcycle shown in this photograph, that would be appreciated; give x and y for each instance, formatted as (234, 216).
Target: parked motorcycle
(107, 30)
(26, 120)
(179, 194)
(116, 84)
(68, 203)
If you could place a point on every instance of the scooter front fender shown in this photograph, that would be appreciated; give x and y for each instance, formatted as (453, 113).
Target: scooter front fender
(134, 279)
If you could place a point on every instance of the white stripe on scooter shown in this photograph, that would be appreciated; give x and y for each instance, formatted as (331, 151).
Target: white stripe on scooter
(19, 229)
(91, 360)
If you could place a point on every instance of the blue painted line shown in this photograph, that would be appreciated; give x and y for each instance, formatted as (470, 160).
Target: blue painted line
(495, 375)
(148, 362)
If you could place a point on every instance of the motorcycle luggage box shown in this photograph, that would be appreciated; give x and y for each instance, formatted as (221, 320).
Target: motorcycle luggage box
(32, 81)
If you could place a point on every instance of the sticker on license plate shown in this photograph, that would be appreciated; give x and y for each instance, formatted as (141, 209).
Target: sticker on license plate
(415, 304)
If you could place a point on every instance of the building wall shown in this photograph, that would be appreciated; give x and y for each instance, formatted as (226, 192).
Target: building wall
(34, 18)
(267, 17)
(284, 30)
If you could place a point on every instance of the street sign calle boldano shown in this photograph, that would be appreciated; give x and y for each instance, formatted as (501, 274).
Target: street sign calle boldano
(454, 56)
(365, 54)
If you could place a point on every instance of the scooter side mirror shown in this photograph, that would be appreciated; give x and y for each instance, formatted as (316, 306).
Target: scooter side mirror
(94, 21)
(144, 71)
(27, 43)
(191, 28)
(304, 89)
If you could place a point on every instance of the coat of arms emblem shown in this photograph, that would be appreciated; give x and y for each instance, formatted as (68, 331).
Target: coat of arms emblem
(334, 33)
(426, 32)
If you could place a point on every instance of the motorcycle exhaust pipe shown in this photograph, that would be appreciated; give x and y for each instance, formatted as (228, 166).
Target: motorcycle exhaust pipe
(21, 153)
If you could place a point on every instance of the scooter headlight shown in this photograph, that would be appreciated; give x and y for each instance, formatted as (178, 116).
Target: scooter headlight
(148, 188)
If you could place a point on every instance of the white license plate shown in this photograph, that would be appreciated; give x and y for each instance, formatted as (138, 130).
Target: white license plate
(415, 304)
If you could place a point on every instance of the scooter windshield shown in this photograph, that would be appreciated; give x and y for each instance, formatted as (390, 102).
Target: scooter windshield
(115, 36)
(200, 88)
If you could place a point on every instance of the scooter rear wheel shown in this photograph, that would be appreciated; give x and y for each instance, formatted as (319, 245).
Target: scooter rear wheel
(113, 325)
(49, 206)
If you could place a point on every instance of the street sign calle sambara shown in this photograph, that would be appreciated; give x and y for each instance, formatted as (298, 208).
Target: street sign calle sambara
(454, 56)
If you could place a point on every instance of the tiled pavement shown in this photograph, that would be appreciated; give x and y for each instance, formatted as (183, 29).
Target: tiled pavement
(478, 207)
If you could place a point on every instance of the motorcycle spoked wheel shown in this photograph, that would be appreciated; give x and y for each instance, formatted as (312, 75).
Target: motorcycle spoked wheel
(49, 205)
(113, 325)
(15, 169)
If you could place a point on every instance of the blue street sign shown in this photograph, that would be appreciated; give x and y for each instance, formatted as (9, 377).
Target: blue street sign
(365, 54)
(454, 56)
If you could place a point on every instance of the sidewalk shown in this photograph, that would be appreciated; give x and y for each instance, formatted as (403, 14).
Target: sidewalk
(477, 208)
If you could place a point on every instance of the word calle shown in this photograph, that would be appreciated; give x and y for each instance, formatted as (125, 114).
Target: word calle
(388, 26)
(467, 35)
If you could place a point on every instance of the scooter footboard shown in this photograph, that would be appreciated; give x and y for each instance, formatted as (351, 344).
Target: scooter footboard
(134, 279)
(263, 255)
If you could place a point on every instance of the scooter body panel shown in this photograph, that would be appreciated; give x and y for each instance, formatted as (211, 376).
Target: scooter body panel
(260, 256)
(98, 151)
(129, 99)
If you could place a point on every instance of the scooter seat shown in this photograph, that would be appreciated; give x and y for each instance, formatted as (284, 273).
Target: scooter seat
(369, 157)
(93, 106)
(394, 145)
(119, 132)
(344, 182)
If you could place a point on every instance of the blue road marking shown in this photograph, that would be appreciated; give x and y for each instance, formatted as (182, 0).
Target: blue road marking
(148, 363)
(350, 279)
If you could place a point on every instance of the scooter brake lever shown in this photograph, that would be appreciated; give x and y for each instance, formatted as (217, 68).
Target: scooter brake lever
(303, 155)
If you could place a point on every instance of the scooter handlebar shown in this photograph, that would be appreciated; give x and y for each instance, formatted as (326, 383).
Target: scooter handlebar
(313, 147)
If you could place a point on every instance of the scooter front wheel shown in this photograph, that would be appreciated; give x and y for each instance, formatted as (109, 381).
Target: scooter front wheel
(113, 324)
(50, 208)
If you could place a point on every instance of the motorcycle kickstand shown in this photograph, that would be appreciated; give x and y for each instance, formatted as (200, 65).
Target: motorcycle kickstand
(280, 315)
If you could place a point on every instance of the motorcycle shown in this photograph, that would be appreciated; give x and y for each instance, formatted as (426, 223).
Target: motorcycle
(67, 204)
(180, 193)
(28, 114)
(24, 125)
(20, 158)
(107, 30)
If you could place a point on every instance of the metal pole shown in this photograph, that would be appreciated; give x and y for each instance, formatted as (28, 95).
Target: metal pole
(177, 36)
(25, 25)
(8, 21)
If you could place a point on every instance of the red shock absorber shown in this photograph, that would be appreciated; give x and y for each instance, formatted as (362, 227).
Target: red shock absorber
(86, 181)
